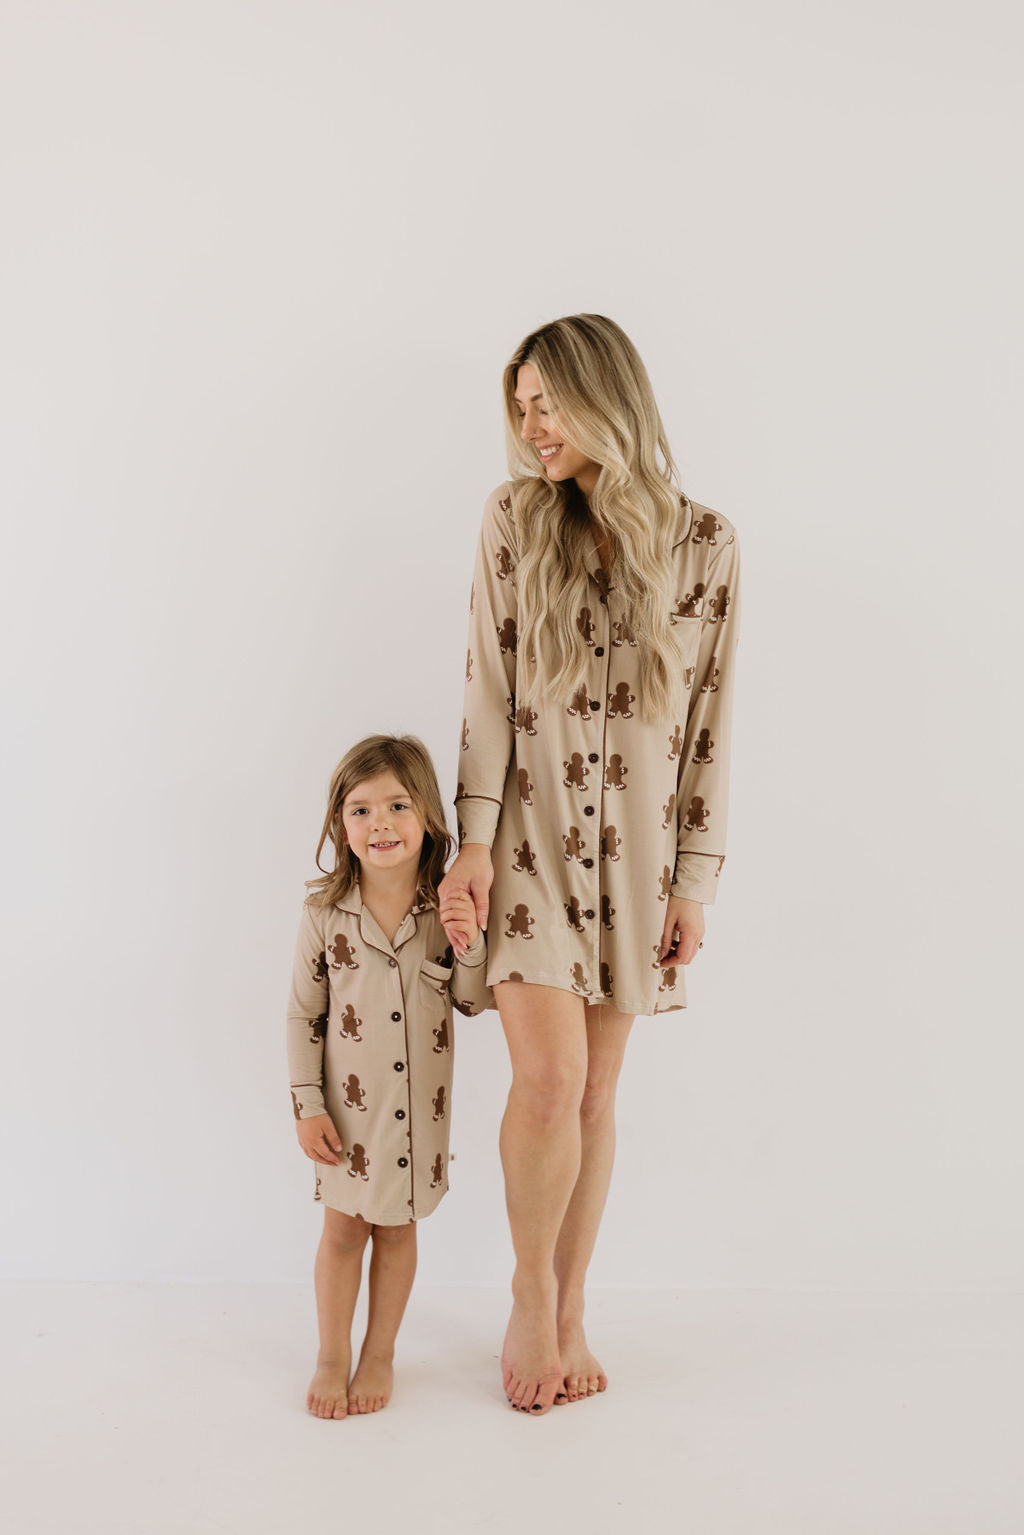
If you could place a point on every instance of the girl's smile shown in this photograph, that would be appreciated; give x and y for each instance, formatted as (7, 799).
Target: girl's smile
(381, 824)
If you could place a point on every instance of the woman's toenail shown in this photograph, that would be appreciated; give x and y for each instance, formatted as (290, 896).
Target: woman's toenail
(535, 1407)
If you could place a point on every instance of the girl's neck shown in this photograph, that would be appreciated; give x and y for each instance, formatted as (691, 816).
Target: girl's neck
(394, 893)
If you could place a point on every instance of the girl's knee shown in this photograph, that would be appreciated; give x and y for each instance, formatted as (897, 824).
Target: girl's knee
(394, 1236)
(348, 1233)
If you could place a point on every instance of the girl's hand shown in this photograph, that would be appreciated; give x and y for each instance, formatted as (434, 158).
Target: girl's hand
(458, 914)
(472, 872)
(319, 1139)
(684, 928)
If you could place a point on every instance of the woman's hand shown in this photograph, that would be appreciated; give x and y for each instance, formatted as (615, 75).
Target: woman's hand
(319, 1139)
(684, 928)
(471, 874)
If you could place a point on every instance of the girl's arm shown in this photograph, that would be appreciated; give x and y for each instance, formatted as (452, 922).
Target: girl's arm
(470, 992)
(307, 1019)
(703, 793)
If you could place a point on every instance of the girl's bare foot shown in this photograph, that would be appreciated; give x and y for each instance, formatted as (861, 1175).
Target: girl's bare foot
(327, 1396)
(583, 1374)
(372, 1384)
(531, 1370)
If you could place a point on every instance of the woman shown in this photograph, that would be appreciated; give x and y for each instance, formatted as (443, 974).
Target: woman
(592, 790)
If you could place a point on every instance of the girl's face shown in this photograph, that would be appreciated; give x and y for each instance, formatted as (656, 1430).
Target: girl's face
(384, 830)
(539, 427)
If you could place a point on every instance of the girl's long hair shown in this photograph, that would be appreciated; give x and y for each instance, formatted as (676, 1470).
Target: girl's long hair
(596, 384)
(409, 760)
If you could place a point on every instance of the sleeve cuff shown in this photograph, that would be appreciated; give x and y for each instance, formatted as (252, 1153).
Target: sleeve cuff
(476, 952)
(308, 1101)
(696, 876)
(477, 819)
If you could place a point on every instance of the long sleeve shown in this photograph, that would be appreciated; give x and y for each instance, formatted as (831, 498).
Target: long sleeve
(703, 795)
(489, 709)
(470, 992)
(307, 1019)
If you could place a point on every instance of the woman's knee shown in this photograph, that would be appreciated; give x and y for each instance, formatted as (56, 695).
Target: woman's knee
(549, 1091)
(394, 1236)
(597, 1104)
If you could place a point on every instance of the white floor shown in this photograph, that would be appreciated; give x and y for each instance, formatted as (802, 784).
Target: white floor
(159, 1410)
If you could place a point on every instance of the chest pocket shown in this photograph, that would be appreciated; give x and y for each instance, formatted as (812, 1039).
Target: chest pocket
(687, 632)
(436, 976)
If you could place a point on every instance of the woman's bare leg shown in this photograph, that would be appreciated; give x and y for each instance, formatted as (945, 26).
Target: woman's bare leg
(392, 1270)
(337, 1272)
(540, 1152)
(607, 1033)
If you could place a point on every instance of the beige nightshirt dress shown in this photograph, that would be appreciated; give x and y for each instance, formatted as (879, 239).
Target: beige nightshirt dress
(593, 815)
(370, 1042)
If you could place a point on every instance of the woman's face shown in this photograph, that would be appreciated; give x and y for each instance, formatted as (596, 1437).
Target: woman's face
(539, 428)
(381, 824)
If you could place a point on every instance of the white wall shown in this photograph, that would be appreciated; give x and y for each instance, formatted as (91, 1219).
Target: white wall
(262, 265)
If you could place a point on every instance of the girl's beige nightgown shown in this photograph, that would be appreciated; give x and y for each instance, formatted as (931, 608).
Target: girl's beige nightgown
(593, 815)
(370, 1042)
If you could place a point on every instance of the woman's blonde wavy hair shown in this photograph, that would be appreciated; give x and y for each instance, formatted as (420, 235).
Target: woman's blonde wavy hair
(597, 388)
(409, 760)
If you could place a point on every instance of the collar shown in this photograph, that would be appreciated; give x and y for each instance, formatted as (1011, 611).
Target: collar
(370, 930)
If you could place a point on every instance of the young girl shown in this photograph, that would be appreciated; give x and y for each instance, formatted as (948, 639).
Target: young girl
(370, 1048)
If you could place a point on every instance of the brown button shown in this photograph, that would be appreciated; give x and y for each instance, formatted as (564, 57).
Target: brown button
(588, 912)
(396, 1017)
(392, 963)
(588, 863)
(588, 810)
(592, 756)
(599, 651)
(399, 1065)
(403, 1161)
(595, 705)
(399, 1113)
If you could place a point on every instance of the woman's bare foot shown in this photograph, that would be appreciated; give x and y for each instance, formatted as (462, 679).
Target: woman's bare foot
(372, 1384)
(327, 1396)
(531, 1370)
(583, 1375)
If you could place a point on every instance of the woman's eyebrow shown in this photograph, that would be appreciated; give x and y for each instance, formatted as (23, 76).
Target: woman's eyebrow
(532, 397)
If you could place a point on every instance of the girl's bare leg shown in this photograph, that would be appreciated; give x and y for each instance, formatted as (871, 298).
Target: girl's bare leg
(540, 1152)
(392, 1270)
(607, 1033)
(337, 1272)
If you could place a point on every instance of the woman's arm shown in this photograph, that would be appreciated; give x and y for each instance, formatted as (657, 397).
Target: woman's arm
(702, 799)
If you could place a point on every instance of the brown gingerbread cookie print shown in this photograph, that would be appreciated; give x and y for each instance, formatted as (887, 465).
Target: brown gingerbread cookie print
(606, 979)
(574, 913)
(710, 685)
(441, 1036)
(688, 677)
(665, 883)
(316, 1191)
(668, 978)
(505, 564)
(578, 978)
(524, 787)
(668, 810)
(519, 922)
(675, 744)
(580, 704)
(514, 975)
(344, 954)
(465, 734)
(696, 814)
(320, 967)
(469, 666)
(705, 529)
(472, 596)
(508, 636)
(525, 720)
(524, 859)
(607, 913)
(576, 772)
(719, 605)
(573, 844)
(610, 844)
(585, 624)
(690, 606)
(354, 1094)
(437, 1172)
(359, 1163)
(510, 699)
(349, 1025)
(615, 772)
(624, 633)
(603, 583)
(317, 1028)
(297, 1106)
(619, 702)
(702, 747)
(439, 1104)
